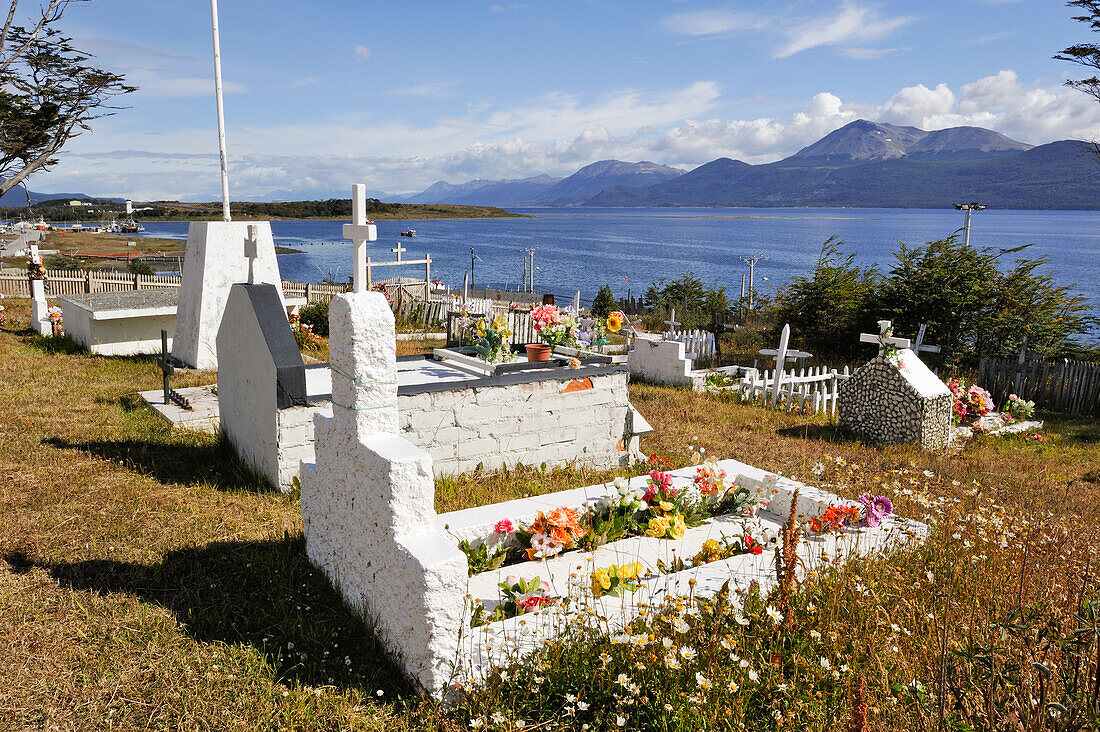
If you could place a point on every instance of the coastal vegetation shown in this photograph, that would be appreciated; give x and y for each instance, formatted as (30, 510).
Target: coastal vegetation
(331, 209)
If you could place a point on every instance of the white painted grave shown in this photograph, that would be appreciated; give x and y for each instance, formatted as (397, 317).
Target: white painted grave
(368, 503)
(120, 323)
(219, 254)
(40, 309)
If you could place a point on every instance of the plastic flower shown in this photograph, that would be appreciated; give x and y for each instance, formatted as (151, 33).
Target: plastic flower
(504, 526)
(658, 527)
(615, 321)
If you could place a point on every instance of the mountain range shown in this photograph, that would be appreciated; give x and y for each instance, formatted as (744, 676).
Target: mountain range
(863, 164)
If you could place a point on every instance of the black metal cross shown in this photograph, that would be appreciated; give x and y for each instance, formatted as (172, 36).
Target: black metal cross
(717, 329)
(167, 369)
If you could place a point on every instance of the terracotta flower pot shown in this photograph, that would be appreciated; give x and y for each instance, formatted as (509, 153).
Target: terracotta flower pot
(538, 352)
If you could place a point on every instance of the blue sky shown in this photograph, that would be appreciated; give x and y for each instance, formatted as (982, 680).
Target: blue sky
(397, 95)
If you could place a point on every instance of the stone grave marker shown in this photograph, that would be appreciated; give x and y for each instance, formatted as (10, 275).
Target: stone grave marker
(368, 503)
(40, 309)
(219, 254)
(894, 398)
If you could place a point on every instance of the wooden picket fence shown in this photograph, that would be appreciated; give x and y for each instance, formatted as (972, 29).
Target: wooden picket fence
(698, 344)
(1067, 386)
(813, 390)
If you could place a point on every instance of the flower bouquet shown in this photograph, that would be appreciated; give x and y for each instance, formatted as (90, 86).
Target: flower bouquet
(554, 327)
(1017, 409)
(971, 403)
(35, 270)
(551, 533)
(617, 579)
(489, 338)
(56, 319)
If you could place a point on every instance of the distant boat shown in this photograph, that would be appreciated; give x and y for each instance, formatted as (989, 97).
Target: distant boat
(129, 226)
(408, 232)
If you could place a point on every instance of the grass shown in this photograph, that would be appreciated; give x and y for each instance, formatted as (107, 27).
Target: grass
(147, 581)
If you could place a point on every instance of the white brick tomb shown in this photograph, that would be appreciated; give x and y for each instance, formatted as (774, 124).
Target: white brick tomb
(893, 401)
(219, 254)
(369, 523)
(119, 323)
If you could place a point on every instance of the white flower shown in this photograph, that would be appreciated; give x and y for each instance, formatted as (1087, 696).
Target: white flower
(476, 722)
(666, 642)
(620, 720)
(497, 718)
(583, 706)
(688, 653)
(743, 663)
(753, 676)
(680, 626)
(815, 635)
(702, 682)
(825, 664)
(775, 615)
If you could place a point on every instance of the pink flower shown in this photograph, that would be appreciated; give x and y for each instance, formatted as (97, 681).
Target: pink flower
(504, 526)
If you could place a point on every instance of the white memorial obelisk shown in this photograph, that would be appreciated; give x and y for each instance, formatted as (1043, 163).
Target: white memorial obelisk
(219, 254)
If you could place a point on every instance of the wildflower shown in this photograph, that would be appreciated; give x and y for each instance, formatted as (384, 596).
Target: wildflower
(775, 615)
(671, 662)
(668, 707)
(733, 687)
(666, 642)
(583, 706)
(815, 635)
(753, 676)
(620, 720)
(497, 718)
(825, 664)
(702, 682)
(680, 626)
(476, 723)
(688, 653)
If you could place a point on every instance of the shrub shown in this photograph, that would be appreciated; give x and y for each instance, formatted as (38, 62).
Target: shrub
(604, 302)
(316, 315)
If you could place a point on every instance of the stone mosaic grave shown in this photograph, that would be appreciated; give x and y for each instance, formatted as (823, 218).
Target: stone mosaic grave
(894, 401)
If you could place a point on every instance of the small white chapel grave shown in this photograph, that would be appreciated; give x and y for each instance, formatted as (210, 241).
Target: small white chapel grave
(894, 398)
(367, 511)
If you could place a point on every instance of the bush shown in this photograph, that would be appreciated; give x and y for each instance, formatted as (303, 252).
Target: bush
(138, 267)
(316, 315)
(604, 302)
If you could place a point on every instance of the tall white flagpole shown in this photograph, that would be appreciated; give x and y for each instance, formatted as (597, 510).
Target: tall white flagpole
(221, 110)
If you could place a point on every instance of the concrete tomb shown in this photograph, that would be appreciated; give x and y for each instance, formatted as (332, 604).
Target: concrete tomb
(370, 525)
(119, 323)
(219, 254)
(895, 399)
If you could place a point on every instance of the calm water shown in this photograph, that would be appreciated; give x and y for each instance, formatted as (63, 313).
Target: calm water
(630, 248)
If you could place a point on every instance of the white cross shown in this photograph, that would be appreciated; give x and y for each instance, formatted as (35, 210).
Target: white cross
(883, 337)
(918, 345)
(672, 322)
(251, 248)
(782, 355)
(397, 250)
(35, 256)
(360, 231)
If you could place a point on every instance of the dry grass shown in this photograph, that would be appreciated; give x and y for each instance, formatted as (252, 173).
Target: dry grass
(146, 581)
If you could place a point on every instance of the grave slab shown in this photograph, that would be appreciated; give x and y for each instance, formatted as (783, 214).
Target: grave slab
(120, 323)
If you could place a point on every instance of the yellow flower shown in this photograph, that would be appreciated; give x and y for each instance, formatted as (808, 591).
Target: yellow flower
(657, 527)
(678, 527)
(626, 571)
(638, 569)
(614, 322)
(665, 506)
(601, 580)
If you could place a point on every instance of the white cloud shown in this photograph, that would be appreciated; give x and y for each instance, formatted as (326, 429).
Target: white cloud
(853, 24)
(362, 53)
(712, 22)
(554, 134)
(865, 54)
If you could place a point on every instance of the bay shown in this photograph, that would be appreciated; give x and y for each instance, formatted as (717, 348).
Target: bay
(630, 248)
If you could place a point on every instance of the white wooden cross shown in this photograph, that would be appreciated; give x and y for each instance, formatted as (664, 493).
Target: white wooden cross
(397, 250)
(883, 337)
(672, 322)
(782, 355)
(918, 345)
(360, 231)
(35, 256)
(251, 249)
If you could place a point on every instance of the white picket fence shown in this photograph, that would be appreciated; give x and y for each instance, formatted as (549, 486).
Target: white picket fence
(813, 390)
(698, 344)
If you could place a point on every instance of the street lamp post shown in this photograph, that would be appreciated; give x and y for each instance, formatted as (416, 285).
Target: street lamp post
(968, 207)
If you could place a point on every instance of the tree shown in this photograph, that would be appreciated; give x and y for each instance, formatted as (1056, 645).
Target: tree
(48, 92)
(1085, 54)
(830, 308)
(604, 302)
(694, 302)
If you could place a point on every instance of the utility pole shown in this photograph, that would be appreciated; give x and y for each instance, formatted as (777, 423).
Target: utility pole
(529, 269)
(221, 109)
(752, 274)
(968, 207)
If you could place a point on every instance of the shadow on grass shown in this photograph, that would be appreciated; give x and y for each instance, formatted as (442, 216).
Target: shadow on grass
(57, 345)
(181, 458)
(264, 594)
(1074, 429)
(825, 432)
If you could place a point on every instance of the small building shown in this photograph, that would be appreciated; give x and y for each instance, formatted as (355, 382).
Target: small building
(887, 403)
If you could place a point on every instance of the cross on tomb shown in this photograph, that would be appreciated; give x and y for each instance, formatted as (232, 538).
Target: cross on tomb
(397, 250)
(164, 361)
(782, 355)
(717, 329)
(918, 345)
(252, 249)
(360, 231)
(672, 322)
(884, 337)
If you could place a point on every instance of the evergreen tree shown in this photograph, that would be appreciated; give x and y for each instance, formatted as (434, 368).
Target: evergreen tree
(604, 302)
